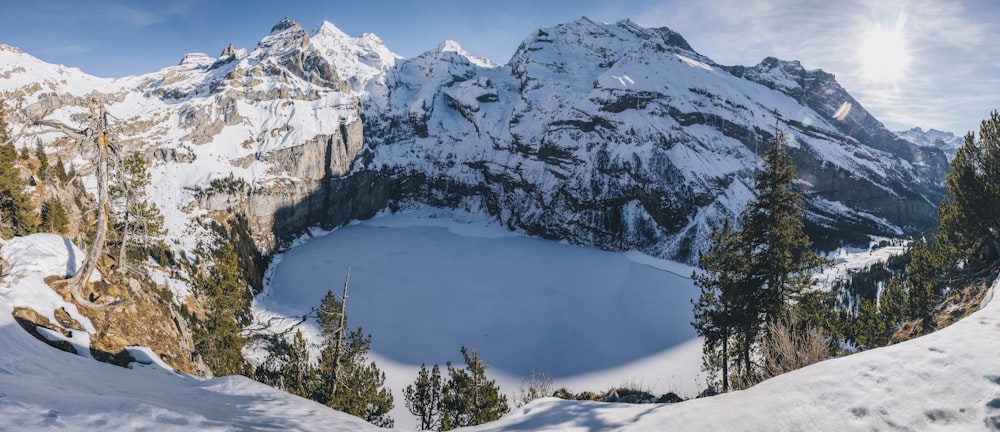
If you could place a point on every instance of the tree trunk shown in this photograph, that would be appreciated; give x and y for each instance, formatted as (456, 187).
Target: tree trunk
(340, 339)
(125, 232)
(99, 134)
(725, 362)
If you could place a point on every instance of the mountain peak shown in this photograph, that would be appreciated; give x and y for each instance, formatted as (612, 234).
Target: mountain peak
(228, 52)
(12, 49)
(449, 45)
(285, 24)
(328, 29)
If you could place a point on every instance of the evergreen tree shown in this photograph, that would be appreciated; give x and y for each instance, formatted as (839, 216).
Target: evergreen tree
(749, 277)
(470, 399)
(61, 173)
(892, 305)
(288, 367)
(343, 365)
(925, 273)
(226, 300)
(362, 392)
(424, 397)
(869, 327)
(139, 224)
(43, 161)
(298, 371)
(721, 307)
(16, 212)
(969, 220)
(54, 217)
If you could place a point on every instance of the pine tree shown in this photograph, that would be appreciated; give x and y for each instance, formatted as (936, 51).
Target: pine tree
(424, 397)
(219, 337)
(869, 326)
(43, 161)
(469, 398)
(347, 380)
(288, 366)
(363, 393)
(54, 217)
(721, 305)
(927, 267)
(892, 306)
(969, 219)
(139, 223)
(16, 211)
(61, 172)
(749, 277)
(298, 371)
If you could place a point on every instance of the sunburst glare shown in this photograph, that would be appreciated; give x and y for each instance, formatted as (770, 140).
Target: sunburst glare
(884, 54)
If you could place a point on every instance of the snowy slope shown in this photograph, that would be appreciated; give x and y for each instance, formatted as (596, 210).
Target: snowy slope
(948, 380)
(42, 388)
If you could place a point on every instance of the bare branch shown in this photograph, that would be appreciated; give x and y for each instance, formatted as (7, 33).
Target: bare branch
(61, 127)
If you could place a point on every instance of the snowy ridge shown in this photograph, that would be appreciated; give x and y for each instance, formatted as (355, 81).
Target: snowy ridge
(946, 141)
(608, 135)
(588, 113)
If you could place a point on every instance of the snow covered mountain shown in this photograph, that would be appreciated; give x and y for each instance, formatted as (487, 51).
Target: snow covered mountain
(946, 141)
(607, 135)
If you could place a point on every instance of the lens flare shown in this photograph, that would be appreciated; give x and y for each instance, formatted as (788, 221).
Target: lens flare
(883, 52)
(842, 112)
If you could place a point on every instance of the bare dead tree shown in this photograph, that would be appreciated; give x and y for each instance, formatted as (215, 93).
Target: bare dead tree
(338, 350)
(96, 134)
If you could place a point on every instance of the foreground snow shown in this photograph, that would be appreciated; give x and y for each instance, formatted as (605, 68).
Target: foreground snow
(949, 380)
(42, 388)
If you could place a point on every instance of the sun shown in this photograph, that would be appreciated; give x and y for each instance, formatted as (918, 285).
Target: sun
(883, 54)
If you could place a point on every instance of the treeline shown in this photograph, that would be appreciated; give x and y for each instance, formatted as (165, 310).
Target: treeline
(758, 311)
(965, 250)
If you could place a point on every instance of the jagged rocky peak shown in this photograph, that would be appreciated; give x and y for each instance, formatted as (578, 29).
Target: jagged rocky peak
(589, 41)
(285, 24)
(669, 37)
(228, 52)
(289, 48)
(196, 59)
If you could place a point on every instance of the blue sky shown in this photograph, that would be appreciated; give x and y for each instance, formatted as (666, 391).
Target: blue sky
(952, 81)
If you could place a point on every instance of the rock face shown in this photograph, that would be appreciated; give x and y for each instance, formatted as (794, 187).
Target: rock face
(608, 135)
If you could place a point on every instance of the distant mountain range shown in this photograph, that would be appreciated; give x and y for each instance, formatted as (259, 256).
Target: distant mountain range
(606, 135)
(946, 141)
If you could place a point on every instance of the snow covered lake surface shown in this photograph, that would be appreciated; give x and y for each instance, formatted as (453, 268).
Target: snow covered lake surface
(428, 282)
(949, 380)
